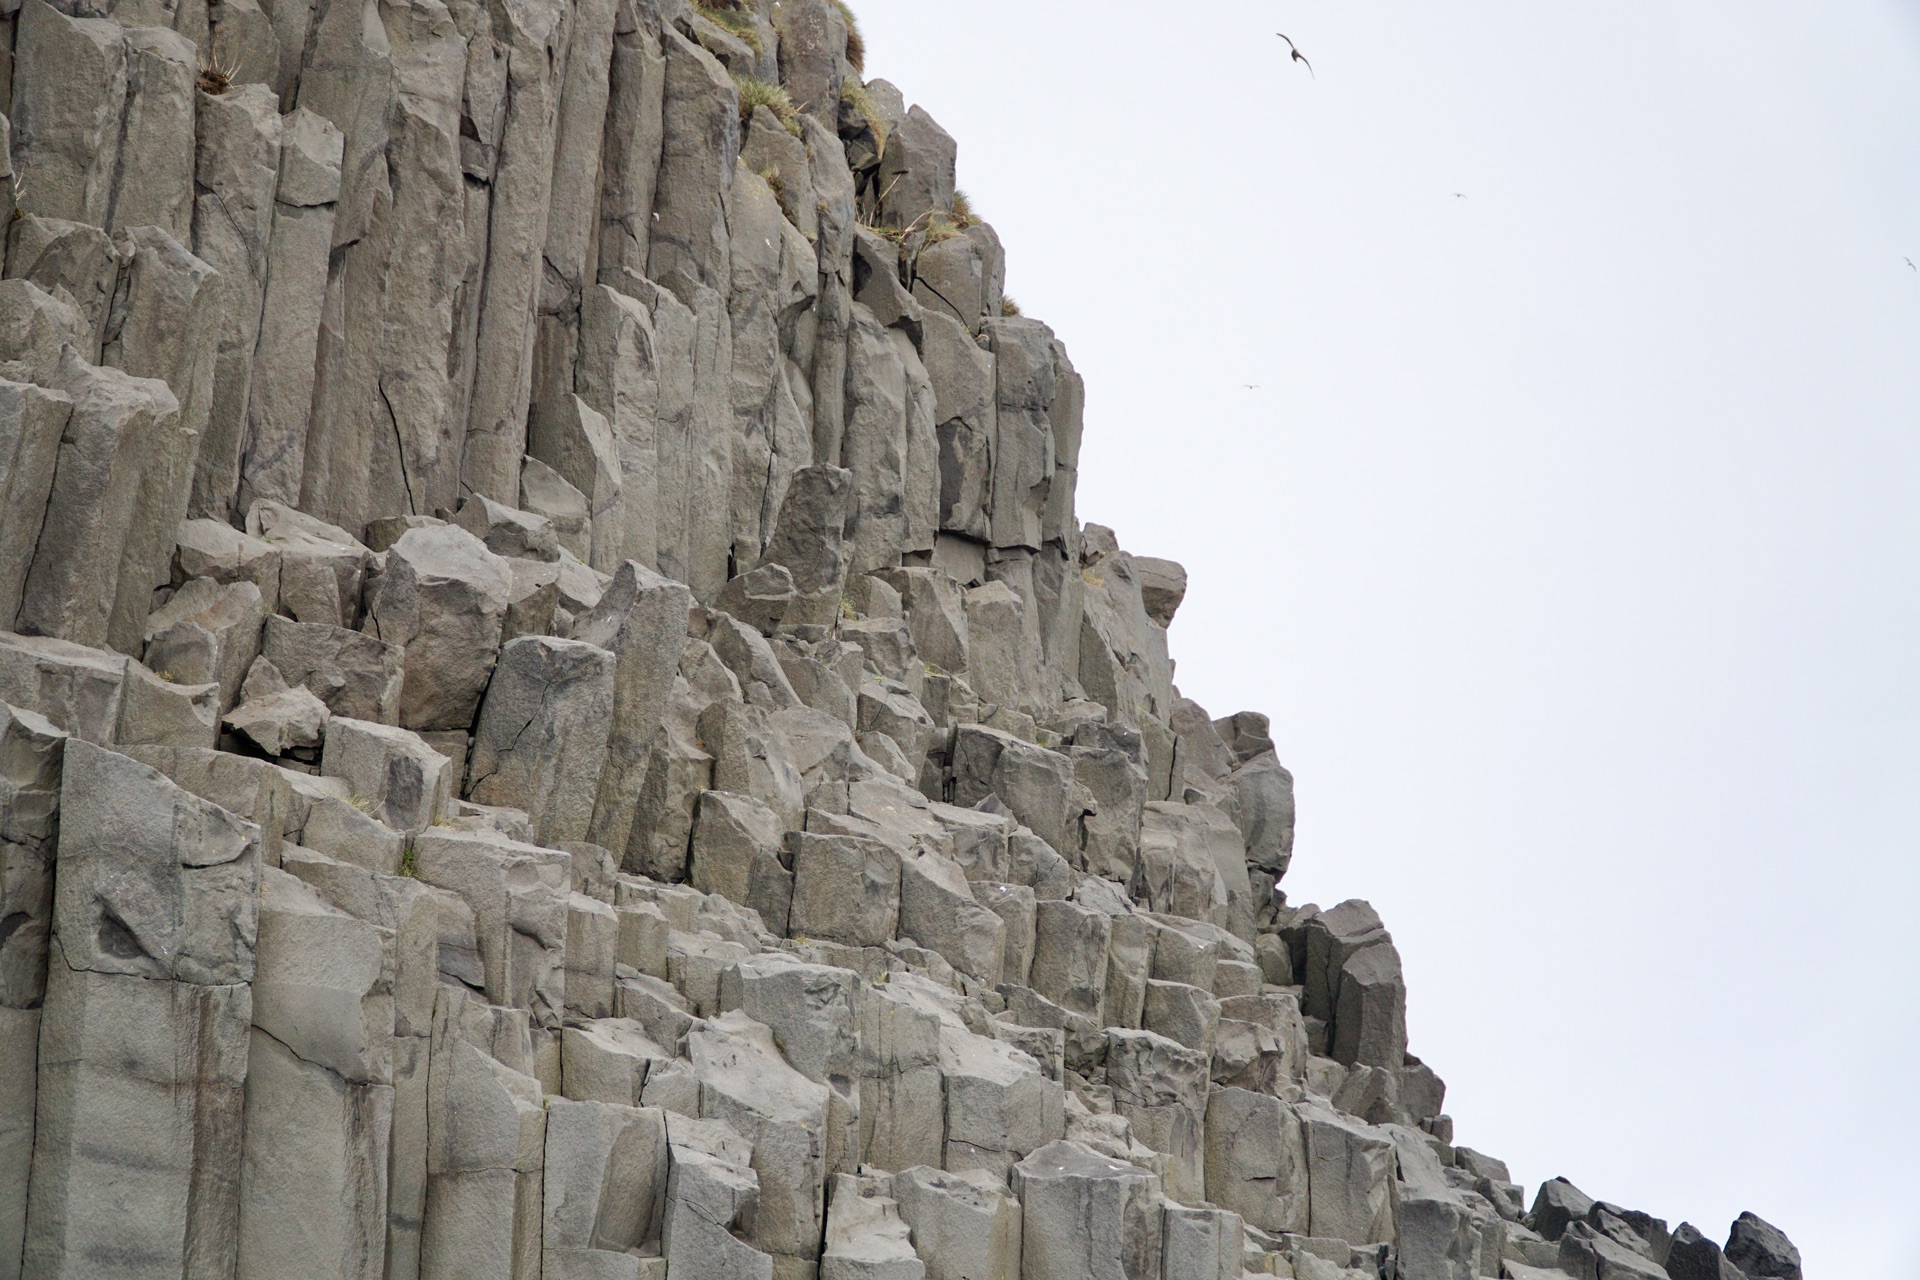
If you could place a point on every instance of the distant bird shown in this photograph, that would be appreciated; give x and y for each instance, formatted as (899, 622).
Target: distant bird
(1297, 55)
(1250, 386)
(1910, 265)
(1459, 196)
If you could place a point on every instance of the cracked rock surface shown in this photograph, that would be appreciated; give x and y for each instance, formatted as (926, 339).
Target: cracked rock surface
(558, 719)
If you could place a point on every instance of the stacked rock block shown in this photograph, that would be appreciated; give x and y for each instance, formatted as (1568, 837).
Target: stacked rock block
(557, 718)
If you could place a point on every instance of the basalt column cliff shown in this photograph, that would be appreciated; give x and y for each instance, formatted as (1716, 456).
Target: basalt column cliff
(557, 718)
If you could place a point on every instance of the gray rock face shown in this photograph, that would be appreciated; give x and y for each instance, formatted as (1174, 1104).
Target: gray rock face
(443, 597)
(144, 1030)
(542, 735)
(633, 765)
(1759, 1249)
(1086, 1215)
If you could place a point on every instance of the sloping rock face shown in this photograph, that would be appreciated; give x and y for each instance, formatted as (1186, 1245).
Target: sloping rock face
(557, 718)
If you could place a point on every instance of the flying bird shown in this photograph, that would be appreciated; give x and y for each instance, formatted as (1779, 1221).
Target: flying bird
(1250, 386)
(1458, 195)
(1910, 265)
(1297, 55)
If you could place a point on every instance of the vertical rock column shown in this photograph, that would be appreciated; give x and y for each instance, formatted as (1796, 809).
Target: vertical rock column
(30, 755)
(319, 1106)
(143, 1045)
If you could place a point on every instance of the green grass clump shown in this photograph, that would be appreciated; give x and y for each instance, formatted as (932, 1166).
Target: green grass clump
(963, 214)
(854, 93)
(761, 93)
(856, 43)
(730, 17)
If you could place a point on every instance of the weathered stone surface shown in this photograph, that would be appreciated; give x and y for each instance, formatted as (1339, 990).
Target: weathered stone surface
(542, 734)
(1032, 782)
(737, 852)
(32, 422)
(144, 1040)
(73, 589)
(356, 675)
(1161, 1087)
(323, 568)
(391, 773)
(319, 1094)
(207, 634)
(78, 689)
(280, 396)
(1083, 1214)
(642, 619)
(846, 889)
(1350, 1173)
(1761, 1249)
(443, 597)
(964, 1225)
(866, 1237)
(747, 1084)
(605, 1189)
(519, 895)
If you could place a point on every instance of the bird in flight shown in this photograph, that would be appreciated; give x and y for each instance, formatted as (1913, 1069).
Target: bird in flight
(1459, 195)
(1910, 265)
(1250, 386)
(1297, 55)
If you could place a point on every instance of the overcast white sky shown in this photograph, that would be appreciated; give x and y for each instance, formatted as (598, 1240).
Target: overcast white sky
(1571, 536)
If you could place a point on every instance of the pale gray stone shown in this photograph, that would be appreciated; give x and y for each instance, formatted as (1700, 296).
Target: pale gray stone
(280, 396)
(74, 261)
(1031, 781)
(35, 324)
(542, 734)
(519, 895)
(737, 847)
(713, 1196)
(144, 1043)
(443, 597)
(1201, 1244)
(356, 675)
(605, 1189)
(1256, 1160)
(87, 550)
(68, 112)
(32, 422)
(1083, 1214)
(642, 619)
(846, 889)
(319, 1094)
(207, 634)
(236, 168)
(485, 1158)
(593, 942)
(1161, 1087)
(19, 1077)
(508, 531)
(159, 712)
(578, 442)
(747, 1084)
(965, 1226)
(866, 1238)
(392, 773)
(322, 567)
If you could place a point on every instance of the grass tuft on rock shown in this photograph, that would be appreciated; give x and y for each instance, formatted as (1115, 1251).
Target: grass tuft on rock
(730, 17)
(856, 43)
(854, 94)
(1009, 308)
(775, 98)
(963, 214)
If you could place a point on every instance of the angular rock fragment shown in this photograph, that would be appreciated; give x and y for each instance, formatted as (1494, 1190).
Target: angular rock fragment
(542, 734)
(1083, 1214)
(443, 597)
